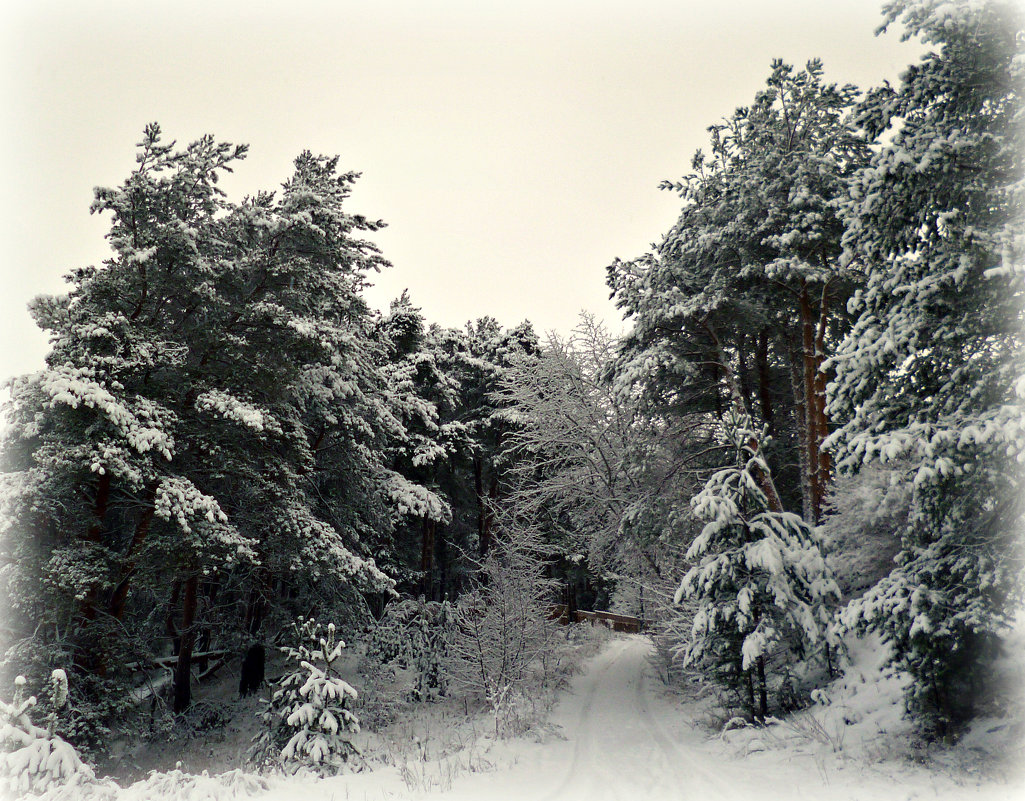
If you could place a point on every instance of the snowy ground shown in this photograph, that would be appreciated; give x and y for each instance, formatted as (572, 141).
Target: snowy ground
(619, 734)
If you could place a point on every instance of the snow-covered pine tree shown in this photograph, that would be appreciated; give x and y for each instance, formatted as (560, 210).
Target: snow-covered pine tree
(765, 594)
(97, 442)
(309, 718)
(748, 285)
(215, 376)
(422, 396)
(930, 378)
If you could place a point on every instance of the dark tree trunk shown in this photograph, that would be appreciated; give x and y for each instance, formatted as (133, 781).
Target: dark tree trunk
(256, 604)
(765, 481)
(183, 668)
(253, 666)
(441, 549)
(478, 492)
(119, 598)
(88, 658)
(489, 514)
(745, 384)
(825, 465)
(763, 691)
(429, 530)
(765, 382)
(797, 387)
(172, 610)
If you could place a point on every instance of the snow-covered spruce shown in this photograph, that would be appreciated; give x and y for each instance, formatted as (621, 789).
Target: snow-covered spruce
(34, 760)
(930, 376)
(309, 717)
(764, 590)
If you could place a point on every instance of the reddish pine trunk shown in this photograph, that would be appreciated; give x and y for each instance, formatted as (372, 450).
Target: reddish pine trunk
(816, 462)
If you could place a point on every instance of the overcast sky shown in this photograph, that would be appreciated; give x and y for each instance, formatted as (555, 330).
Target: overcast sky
(513, 148)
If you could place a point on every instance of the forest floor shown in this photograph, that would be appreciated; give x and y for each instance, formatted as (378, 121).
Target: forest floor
(619, 733)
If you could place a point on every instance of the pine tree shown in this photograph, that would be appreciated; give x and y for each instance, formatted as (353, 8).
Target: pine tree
(208, 427)
(309, 719)
(931, 372)
(765, 593)
(744, 294)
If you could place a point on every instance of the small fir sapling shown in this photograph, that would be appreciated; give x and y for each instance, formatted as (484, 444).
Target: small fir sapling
(33, 759)
(309, 717)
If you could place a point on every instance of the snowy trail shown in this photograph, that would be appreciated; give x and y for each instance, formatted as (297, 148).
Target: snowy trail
(613, 744)
(620, 750)
(620, 740)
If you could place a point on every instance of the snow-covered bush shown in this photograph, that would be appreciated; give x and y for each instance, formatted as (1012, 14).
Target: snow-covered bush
(764, 591)
(415, 634)
(33, 759)
(502, 633)
(309, 717)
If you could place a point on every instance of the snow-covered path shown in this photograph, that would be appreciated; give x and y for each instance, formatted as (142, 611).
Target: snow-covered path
(621, 740)
(618, 745)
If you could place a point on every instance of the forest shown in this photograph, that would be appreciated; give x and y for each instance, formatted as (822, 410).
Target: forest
(811, 432)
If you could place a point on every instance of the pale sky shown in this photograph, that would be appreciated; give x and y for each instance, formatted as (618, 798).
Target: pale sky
(514, 149)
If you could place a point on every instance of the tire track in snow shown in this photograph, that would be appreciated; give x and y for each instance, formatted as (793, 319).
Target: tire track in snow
(584, 736)
(675, 756)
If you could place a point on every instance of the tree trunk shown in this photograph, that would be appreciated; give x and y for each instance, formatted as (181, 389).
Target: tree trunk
(90, 659)
(763, 691)
(742, 377)
(800, 417)
(429, 529)
(489, 513)
(183, 668)
(256, 604)
(764, 381)
(815, 424)
(119, 598)
(764, 479)
(172, 610)
(441, 549)
(812, 442)
(825, 465)
(478, 491)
